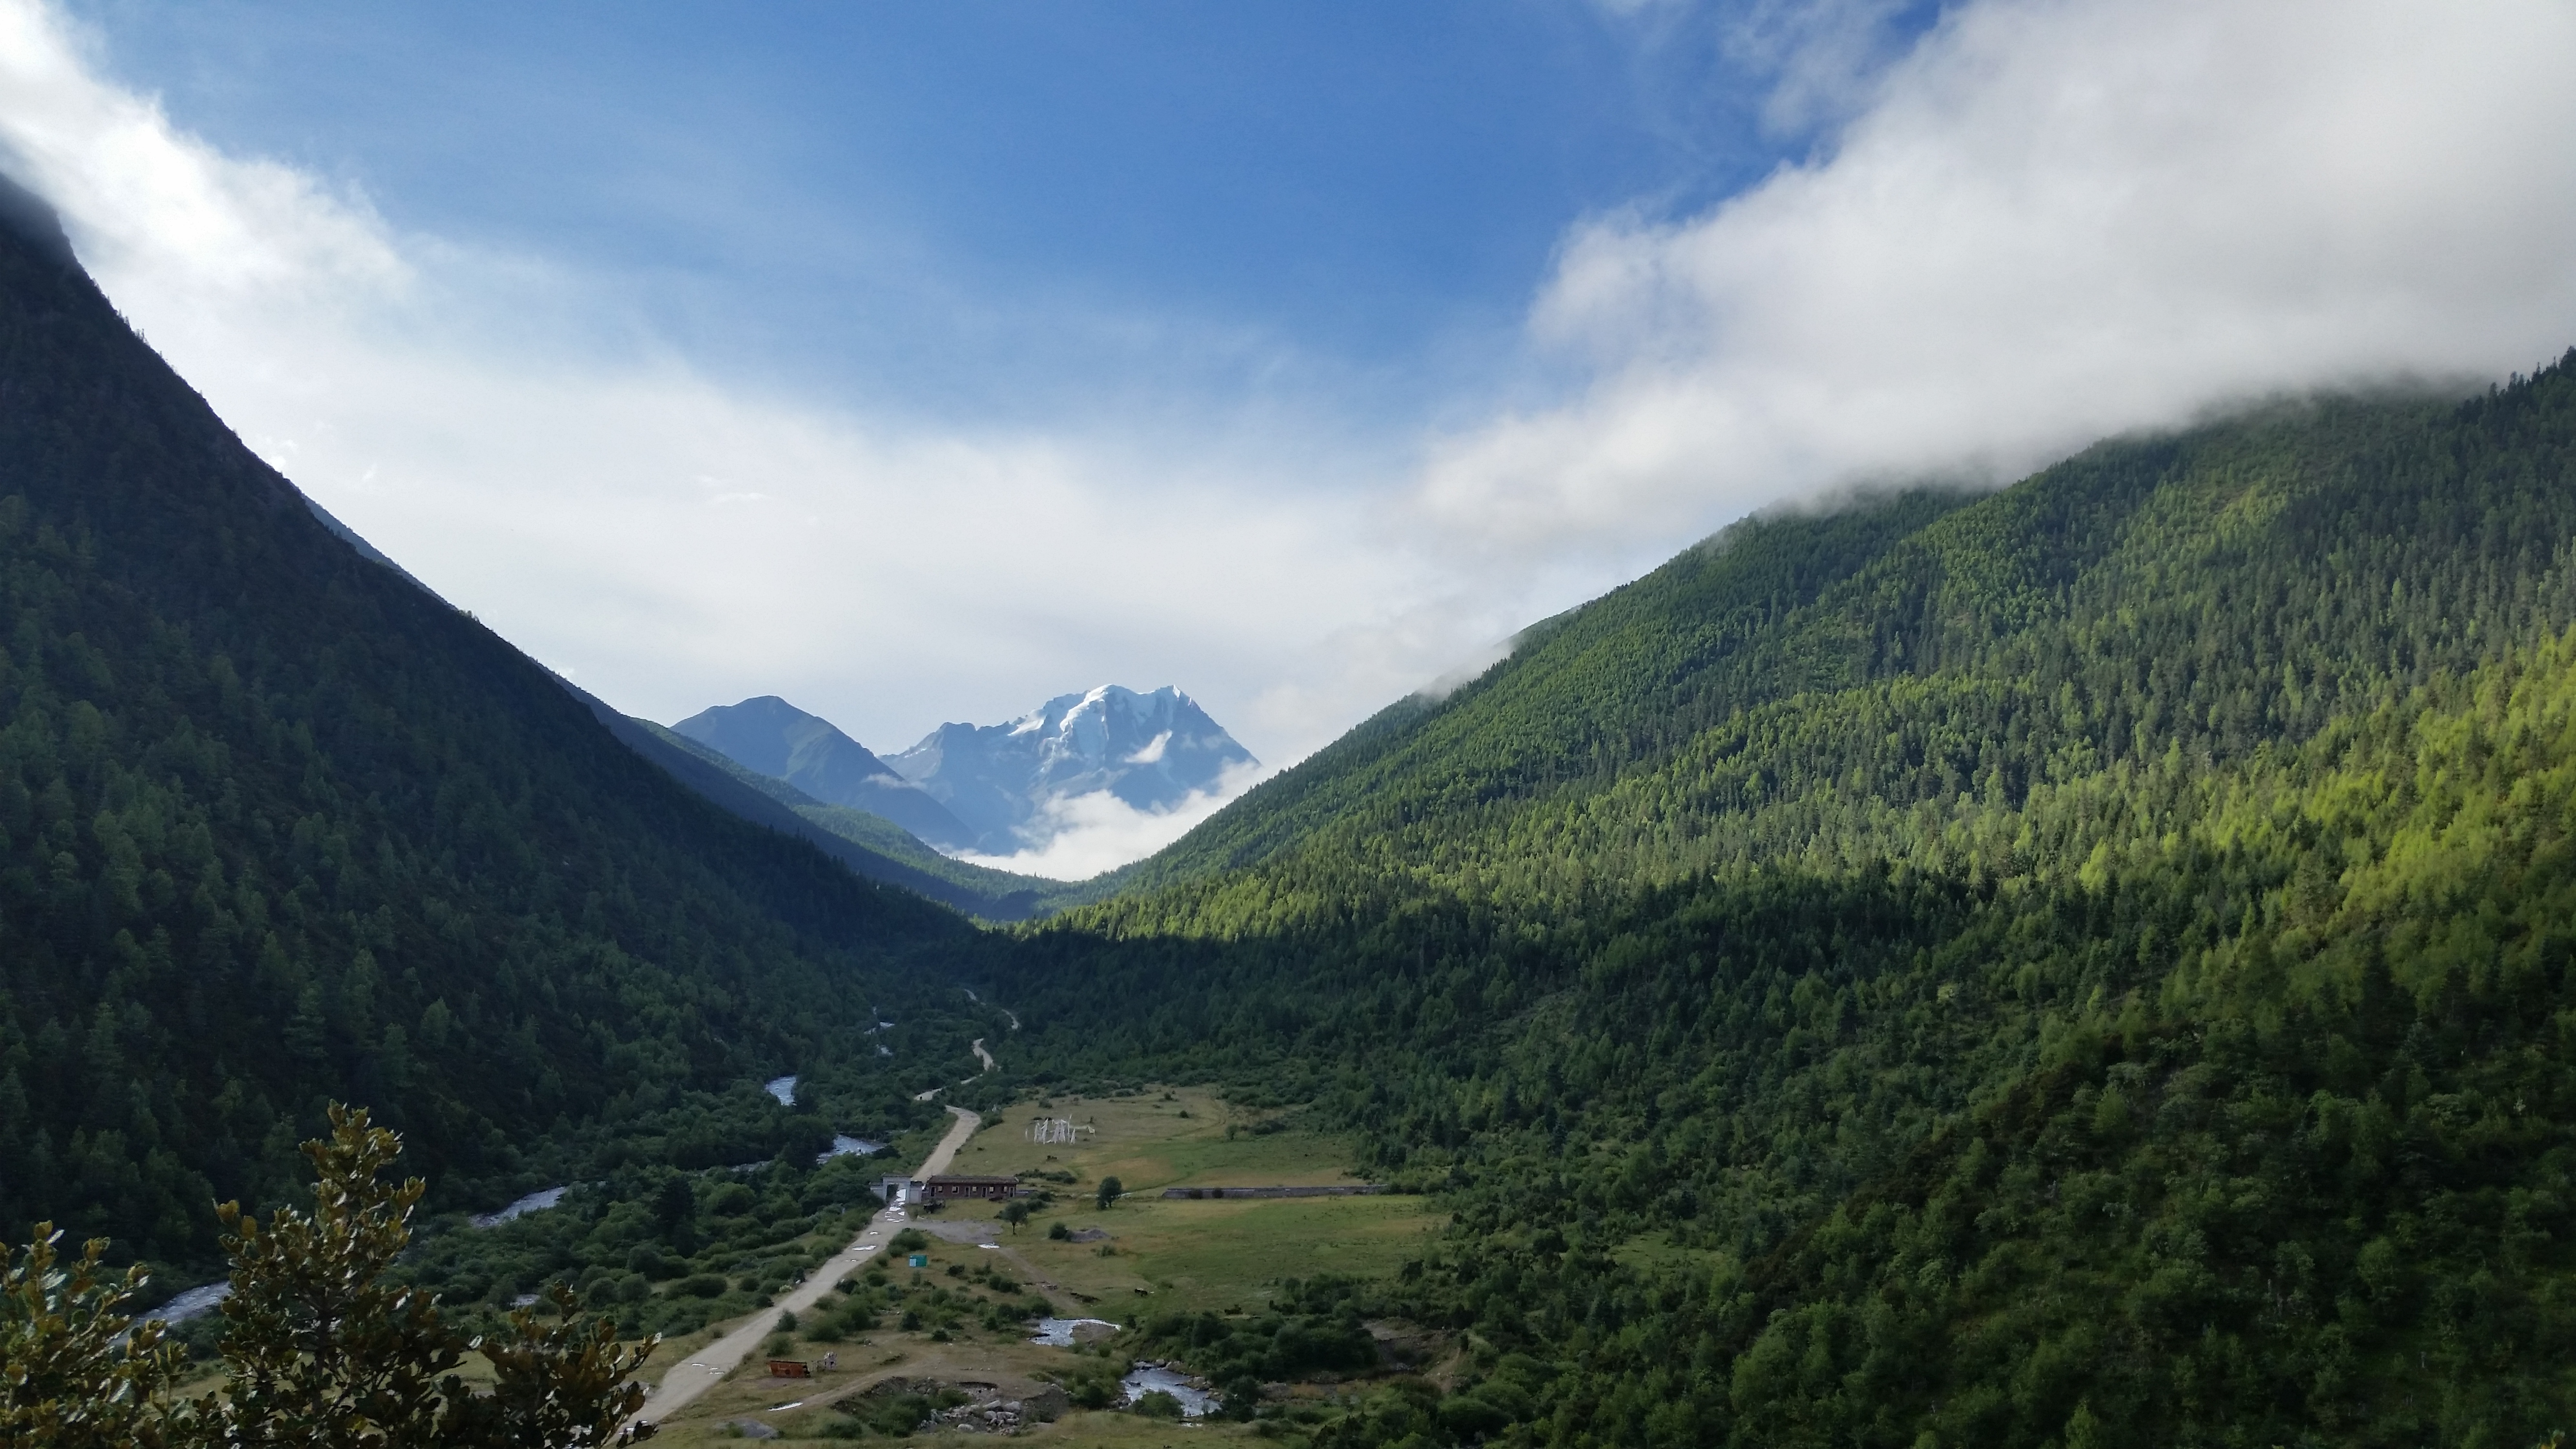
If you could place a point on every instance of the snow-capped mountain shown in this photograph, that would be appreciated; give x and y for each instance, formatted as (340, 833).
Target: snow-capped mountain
(1152, 751)
(774, 738)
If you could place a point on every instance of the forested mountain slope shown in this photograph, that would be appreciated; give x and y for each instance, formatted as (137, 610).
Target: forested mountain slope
(2211, 592)
(278, 827)
(2083, 965)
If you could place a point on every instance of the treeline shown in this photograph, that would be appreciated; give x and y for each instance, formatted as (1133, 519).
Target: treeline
(2080, 966)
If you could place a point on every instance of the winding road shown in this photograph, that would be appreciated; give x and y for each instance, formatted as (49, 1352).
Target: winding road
(981, 1055)
(707, 1367)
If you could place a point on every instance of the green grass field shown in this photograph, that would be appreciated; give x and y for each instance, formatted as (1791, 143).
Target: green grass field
(1219, 1255)
(1189, 1254)
(1159, 1139)
(1183, 1255)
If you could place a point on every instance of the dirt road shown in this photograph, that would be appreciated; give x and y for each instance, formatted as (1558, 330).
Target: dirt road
(707, 1367)
(981, 1055)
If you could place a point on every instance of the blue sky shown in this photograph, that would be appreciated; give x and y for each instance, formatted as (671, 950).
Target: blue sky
(922, 362)
(978, 208)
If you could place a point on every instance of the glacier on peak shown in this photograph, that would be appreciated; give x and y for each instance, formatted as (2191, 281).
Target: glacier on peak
(769, 736)
(1152, 751)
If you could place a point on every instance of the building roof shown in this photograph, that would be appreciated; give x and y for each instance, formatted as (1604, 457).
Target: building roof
(972, 1180)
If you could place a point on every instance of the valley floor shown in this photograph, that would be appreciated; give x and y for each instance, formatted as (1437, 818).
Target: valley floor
(688, 1379)
(1145, 1254)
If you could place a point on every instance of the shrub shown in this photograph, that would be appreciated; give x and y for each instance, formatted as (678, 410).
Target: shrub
(317, 1337)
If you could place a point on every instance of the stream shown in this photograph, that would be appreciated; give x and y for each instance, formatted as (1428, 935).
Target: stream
(1196, 1403)
(535, 1202)
(185, 1306)
(1058, 1332)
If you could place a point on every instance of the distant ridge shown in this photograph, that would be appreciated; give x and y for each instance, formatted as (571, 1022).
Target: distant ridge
(885, 853)
(771, 737)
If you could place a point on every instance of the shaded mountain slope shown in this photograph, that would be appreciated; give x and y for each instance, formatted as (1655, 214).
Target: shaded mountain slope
(277, 826)
(868, 844)
(2087, 964)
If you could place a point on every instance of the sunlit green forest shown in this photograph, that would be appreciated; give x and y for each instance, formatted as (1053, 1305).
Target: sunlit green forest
(2082, 965)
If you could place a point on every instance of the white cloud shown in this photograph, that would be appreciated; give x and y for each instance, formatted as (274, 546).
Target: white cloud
(1088, 834)
(2055, 220)
(1825, 55)
(153, 203)
(671, 539)
(2052, 220)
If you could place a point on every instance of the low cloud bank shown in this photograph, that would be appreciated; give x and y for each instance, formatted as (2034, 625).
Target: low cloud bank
(2056, 220)
(1088, 834)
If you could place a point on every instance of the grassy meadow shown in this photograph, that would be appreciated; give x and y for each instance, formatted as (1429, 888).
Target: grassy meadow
(1159, 1256)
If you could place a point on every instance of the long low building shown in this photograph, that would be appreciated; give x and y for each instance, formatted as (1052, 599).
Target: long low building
(957, 1185)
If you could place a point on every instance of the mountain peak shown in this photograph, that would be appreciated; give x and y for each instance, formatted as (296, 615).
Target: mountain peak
(768, 736)
(31, 219)
(1149, 749)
